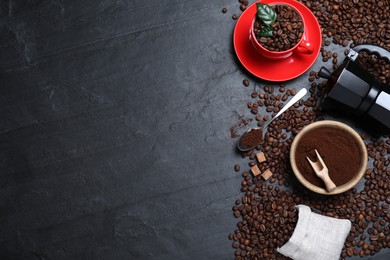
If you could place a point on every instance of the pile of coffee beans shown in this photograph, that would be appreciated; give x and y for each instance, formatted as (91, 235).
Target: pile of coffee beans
(269, 218)
(360, 21)
(345, 23)
(277, 140)
(287, 30)
(272, 208)
(367, 209)
(380, 68)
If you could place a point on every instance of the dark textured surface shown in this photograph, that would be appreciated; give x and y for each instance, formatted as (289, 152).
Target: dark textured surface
(114, 129)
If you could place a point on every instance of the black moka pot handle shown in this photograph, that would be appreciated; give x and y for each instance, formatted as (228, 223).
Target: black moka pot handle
(354, 53)
(371, 49)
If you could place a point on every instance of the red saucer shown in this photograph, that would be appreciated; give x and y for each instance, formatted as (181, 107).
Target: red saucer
(276, 70)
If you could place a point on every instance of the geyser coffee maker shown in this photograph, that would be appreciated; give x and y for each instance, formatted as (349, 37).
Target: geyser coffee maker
(353, 90)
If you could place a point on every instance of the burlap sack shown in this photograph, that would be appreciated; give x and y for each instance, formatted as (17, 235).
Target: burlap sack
(316, 237)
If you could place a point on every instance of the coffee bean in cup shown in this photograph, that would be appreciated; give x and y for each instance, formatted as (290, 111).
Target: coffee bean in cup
(287, 29)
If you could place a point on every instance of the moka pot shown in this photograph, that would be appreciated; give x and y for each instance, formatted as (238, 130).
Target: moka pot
(352, 90)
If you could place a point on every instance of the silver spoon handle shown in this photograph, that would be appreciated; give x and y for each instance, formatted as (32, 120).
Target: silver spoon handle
(297, 97)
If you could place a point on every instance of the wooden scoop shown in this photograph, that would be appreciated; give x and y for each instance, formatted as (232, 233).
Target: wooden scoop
(321, 170)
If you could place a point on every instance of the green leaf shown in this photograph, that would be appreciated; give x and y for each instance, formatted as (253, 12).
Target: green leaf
(266, 14)
(266, 31)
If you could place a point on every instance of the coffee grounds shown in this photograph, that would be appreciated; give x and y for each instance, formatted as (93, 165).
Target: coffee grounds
(239, 125)
(251, 139)
(287, 30)
(338, 150)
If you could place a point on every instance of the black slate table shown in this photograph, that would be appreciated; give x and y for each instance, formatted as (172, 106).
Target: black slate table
(114, 129)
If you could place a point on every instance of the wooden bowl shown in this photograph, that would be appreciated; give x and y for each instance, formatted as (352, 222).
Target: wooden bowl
(334, 124)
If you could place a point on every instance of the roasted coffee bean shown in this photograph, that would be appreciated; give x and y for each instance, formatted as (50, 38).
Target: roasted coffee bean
(234, 16)
(245, 82)
(287, 30)
(293, 92)
(260, 123)
(224, 10)
(326, 42)
(237, 168)
(350, 251)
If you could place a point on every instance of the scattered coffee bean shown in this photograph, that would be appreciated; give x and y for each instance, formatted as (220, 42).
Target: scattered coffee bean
(327, 42)
(245, 82)
(224, 10)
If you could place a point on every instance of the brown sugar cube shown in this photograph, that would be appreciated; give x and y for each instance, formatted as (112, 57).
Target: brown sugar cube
(255, 170)
(261, 157)
(267, 174)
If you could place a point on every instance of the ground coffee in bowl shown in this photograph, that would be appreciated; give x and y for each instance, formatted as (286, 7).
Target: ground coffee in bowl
(340, 147)
(337, 148)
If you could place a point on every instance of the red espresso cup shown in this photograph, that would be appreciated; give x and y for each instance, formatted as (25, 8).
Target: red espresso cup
(302, 47)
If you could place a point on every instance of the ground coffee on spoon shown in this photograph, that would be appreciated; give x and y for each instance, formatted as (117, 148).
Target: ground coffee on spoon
(251, 139)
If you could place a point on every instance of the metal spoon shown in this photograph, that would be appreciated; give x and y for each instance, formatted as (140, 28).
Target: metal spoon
(296, 98)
